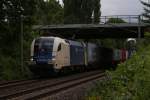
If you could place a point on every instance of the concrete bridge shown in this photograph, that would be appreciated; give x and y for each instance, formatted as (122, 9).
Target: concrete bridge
(132, 27)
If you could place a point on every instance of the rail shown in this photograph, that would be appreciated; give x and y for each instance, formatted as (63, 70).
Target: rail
(42, 88)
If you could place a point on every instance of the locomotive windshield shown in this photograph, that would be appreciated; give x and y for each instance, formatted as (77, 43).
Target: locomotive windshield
(44, 45)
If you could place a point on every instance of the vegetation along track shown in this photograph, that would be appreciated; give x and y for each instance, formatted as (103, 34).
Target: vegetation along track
(43, 88)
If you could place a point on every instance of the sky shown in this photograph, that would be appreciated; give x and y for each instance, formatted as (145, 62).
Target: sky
(121, 7)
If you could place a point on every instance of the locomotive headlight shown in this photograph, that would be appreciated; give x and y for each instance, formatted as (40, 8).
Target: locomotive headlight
(54, 57)
(53, 60)
(31, 59)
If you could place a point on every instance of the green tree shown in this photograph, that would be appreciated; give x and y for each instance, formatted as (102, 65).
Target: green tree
(97, 12)
(34, 12)
(11, 11)
(10, 22)
(146, 14)
(115, 20)
(81, 11)
(49, 12)
(72, 11)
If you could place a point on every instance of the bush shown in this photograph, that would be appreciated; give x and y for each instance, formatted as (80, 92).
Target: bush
(130, 81)
(10, 69)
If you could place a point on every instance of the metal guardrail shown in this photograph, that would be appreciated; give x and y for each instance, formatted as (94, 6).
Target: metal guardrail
(126, 18)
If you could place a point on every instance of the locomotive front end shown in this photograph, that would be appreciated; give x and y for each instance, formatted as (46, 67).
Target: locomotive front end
(42, 55)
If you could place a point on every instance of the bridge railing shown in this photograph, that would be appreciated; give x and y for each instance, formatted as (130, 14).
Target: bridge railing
(121, 19)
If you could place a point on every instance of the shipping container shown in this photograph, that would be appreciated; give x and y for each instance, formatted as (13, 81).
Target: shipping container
(116, 55)
(106, 57)
(92, 53)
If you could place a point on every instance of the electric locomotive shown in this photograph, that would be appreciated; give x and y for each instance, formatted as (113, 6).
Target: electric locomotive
(52, 54)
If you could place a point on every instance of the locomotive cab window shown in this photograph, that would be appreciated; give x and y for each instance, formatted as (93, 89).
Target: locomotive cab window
(59, 47)
(46, 44)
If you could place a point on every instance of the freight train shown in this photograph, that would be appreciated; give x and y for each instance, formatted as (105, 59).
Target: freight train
(54, 54)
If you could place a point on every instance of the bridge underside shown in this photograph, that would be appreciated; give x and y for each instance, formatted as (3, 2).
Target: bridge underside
(94, 31)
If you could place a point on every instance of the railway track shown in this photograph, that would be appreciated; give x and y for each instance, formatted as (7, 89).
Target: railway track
(44, 88)
(7, 82)
(14, 83)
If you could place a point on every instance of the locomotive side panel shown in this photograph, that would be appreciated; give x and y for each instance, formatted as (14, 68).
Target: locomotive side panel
(77, 56)
(62, 56)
